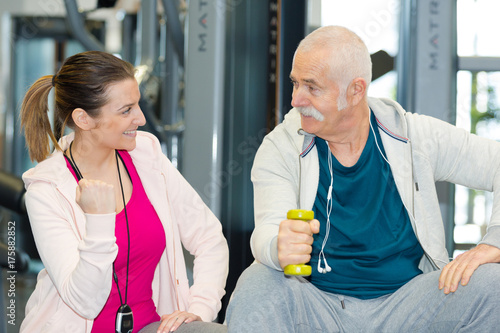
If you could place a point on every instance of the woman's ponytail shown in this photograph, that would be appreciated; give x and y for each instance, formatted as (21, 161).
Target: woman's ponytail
(35, 120)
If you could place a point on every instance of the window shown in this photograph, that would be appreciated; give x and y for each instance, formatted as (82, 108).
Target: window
(377, 25)
(478, 107)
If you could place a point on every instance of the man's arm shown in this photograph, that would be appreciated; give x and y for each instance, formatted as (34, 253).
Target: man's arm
(466, 159)
(275, 180)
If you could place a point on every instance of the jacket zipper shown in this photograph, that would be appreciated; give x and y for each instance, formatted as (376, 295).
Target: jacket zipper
(431, 260)
(176, 279)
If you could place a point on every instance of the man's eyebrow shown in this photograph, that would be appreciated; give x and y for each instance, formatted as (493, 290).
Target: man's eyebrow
(311, 81)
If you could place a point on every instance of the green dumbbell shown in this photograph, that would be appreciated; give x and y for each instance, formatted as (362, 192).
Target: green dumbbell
(306, 216)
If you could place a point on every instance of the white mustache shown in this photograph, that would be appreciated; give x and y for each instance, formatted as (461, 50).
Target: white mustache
(310, 111)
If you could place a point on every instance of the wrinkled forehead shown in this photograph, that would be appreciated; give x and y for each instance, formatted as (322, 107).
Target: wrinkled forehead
(311, 64)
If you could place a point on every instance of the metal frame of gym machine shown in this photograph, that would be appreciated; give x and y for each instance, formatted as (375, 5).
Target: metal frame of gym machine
(427, 68)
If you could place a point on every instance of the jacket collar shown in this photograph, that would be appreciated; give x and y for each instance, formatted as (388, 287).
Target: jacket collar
(53, 169)
(390, 118)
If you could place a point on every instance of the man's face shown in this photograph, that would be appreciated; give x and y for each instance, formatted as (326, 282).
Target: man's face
(315, 95)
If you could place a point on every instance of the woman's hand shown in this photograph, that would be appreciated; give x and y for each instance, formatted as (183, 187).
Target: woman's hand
(95, 197)
(171, 322)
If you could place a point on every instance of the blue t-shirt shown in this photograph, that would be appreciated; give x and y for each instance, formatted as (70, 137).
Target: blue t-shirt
(372, 248)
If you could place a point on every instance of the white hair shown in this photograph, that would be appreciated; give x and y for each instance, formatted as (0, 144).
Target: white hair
(348, 56)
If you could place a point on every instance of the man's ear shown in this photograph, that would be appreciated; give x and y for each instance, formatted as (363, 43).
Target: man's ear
(357, 90)
(82, 119)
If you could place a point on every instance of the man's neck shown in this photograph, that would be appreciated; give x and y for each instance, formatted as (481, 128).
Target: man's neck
(348, 143)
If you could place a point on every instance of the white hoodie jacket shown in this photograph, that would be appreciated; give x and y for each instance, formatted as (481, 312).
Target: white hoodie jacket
(78, 250)
(421, 150)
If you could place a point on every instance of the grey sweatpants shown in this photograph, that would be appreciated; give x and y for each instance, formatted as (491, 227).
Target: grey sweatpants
(193, 327)
(266, 301)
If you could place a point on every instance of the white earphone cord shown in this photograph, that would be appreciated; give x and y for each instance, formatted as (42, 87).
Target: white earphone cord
(329, 205)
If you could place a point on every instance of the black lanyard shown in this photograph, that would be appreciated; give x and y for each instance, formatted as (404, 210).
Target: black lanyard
(124, 321)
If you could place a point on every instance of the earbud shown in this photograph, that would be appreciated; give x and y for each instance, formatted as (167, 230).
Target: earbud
(327, 267)
(323, 270)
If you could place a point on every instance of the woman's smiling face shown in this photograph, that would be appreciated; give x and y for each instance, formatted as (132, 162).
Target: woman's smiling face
(116, 126)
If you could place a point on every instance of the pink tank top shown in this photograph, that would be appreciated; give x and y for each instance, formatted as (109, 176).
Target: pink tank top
(147, 243)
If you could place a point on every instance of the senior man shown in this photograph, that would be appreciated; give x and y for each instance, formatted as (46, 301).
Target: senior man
(368, 170)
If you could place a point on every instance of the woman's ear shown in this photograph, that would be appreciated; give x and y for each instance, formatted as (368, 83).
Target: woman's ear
(82, 119)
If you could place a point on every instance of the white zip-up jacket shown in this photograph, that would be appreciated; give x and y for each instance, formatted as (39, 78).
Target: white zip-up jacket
(78, 249)
(421, 150)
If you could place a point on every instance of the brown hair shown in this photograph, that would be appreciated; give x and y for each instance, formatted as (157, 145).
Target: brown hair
(81, 82)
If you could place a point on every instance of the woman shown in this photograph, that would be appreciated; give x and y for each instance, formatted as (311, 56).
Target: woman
(109, 213)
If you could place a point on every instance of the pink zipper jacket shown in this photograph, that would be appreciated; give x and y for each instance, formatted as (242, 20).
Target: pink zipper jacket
(78, 249)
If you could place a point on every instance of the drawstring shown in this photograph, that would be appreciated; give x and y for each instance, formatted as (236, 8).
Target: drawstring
(341, 298)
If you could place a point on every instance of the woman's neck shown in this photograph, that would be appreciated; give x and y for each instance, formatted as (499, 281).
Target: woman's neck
(92, 161)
